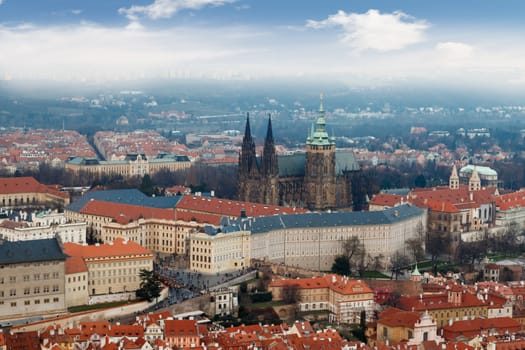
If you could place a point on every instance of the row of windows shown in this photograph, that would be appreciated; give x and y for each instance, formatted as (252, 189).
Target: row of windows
(35, 302)
(27, 278)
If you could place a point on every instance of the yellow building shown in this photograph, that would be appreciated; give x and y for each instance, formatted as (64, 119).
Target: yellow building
(112, 267)
(132, 165)
(219, 252)
(19, 192)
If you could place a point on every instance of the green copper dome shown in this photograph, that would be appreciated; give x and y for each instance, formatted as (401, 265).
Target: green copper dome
(318, 135)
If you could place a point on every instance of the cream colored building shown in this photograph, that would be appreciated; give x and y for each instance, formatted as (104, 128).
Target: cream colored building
(31, 279)
(132, 165)
(77, 278)
(161, 236)
(219, 252)
(19, 192)
(314, 240)
(112, 267)
(74, 232)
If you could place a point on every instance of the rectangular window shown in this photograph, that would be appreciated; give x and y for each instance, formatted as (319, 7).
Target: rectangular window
(37, 301)
(12, 292)
(12, 279)
(46, 276)
(26, 278)
(27, 302)
(13, 304)
(27, 291)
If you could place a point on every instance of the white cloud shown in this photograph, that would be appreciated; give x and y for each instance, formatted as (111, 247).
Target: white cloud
(454, 53)
(76, 11)
(167, 8)
(374, 30)
(90, 51)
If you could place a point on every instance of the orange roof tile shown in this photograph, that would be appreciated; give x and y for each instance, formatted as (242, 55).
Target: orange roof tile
(28, 184)
(119, 247)
(125, 213)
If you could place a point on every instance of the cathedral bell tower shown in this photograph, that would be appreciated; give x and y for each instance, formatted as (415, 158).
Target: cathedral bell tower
(320, 177)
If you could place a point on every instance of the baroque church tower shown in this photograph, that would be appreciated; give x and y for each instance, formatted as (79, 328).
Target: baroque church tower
(320, 177)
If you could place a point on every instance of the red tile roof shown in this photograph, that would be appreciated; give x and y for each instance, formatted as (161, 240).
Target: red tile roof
(28, 184)
(511, 200)
(119, 247)
(224, 207)
(125, 213)
(75, 264)
(398, 318)
(339, 284)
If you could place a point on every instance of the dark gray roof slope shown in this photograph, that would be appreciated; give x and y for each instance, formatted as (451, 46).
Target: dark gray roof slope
(129, 196)
(345, 161)
(30, 251)
(292, 165)
(384, 217)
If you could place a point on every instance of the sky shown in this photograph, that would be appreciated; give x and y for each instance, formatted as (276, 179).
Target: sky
(358, 42)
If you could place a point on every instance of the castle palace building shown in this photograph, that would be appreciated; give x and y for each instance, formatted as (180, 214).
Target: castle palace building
(319, 179)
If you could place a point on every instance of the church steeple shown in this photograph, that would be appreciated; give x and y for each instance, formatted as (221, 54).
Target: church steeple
(247, 130)
(453, 181)
(319, 136)
(474, 183)
(247, 158)
(269, 159)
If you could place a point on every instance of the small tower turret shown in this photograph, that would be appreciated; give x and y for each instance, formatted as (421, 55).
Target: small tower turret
(474, 183)
(453, 181)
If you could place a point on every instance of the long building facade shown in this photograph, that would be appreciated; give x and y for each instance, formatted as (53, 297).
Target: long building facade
(319, 179)
(314, 240)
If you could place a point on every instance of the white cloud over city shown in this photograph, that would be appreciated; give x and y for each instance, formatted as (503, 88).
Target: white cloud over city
(374, 30)
(167, 8)
(366, 48)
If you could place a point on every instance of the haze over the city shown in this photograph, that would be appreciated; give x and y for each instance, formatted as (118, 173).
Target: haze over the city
(372, 43)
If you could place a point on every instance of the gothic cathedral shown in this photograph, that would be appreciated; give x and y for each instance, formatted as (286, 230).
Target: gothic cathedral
(319, 179)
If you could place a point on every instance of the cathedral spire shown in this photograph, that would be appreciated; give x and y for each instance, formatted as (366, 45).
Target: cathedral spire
(247, 130)
(321, 107)
(269, 131)
(269, 158)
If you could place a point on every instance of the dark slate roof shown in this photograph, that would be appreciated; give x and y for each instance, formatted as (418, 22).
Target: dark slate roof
(127, 196)
(30, 251)
(345, 161)
(398, 191)
(276, 222)
(292, 165)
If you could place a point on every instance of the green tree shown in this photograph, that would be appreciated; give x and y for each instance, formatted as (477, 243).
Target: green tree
(420, 181)
(147, 187)
(149, 286)
(341, 266)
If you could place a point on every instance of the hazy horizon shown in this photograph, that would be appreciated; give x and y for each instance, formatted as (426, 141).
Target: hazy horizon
(467, 44)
